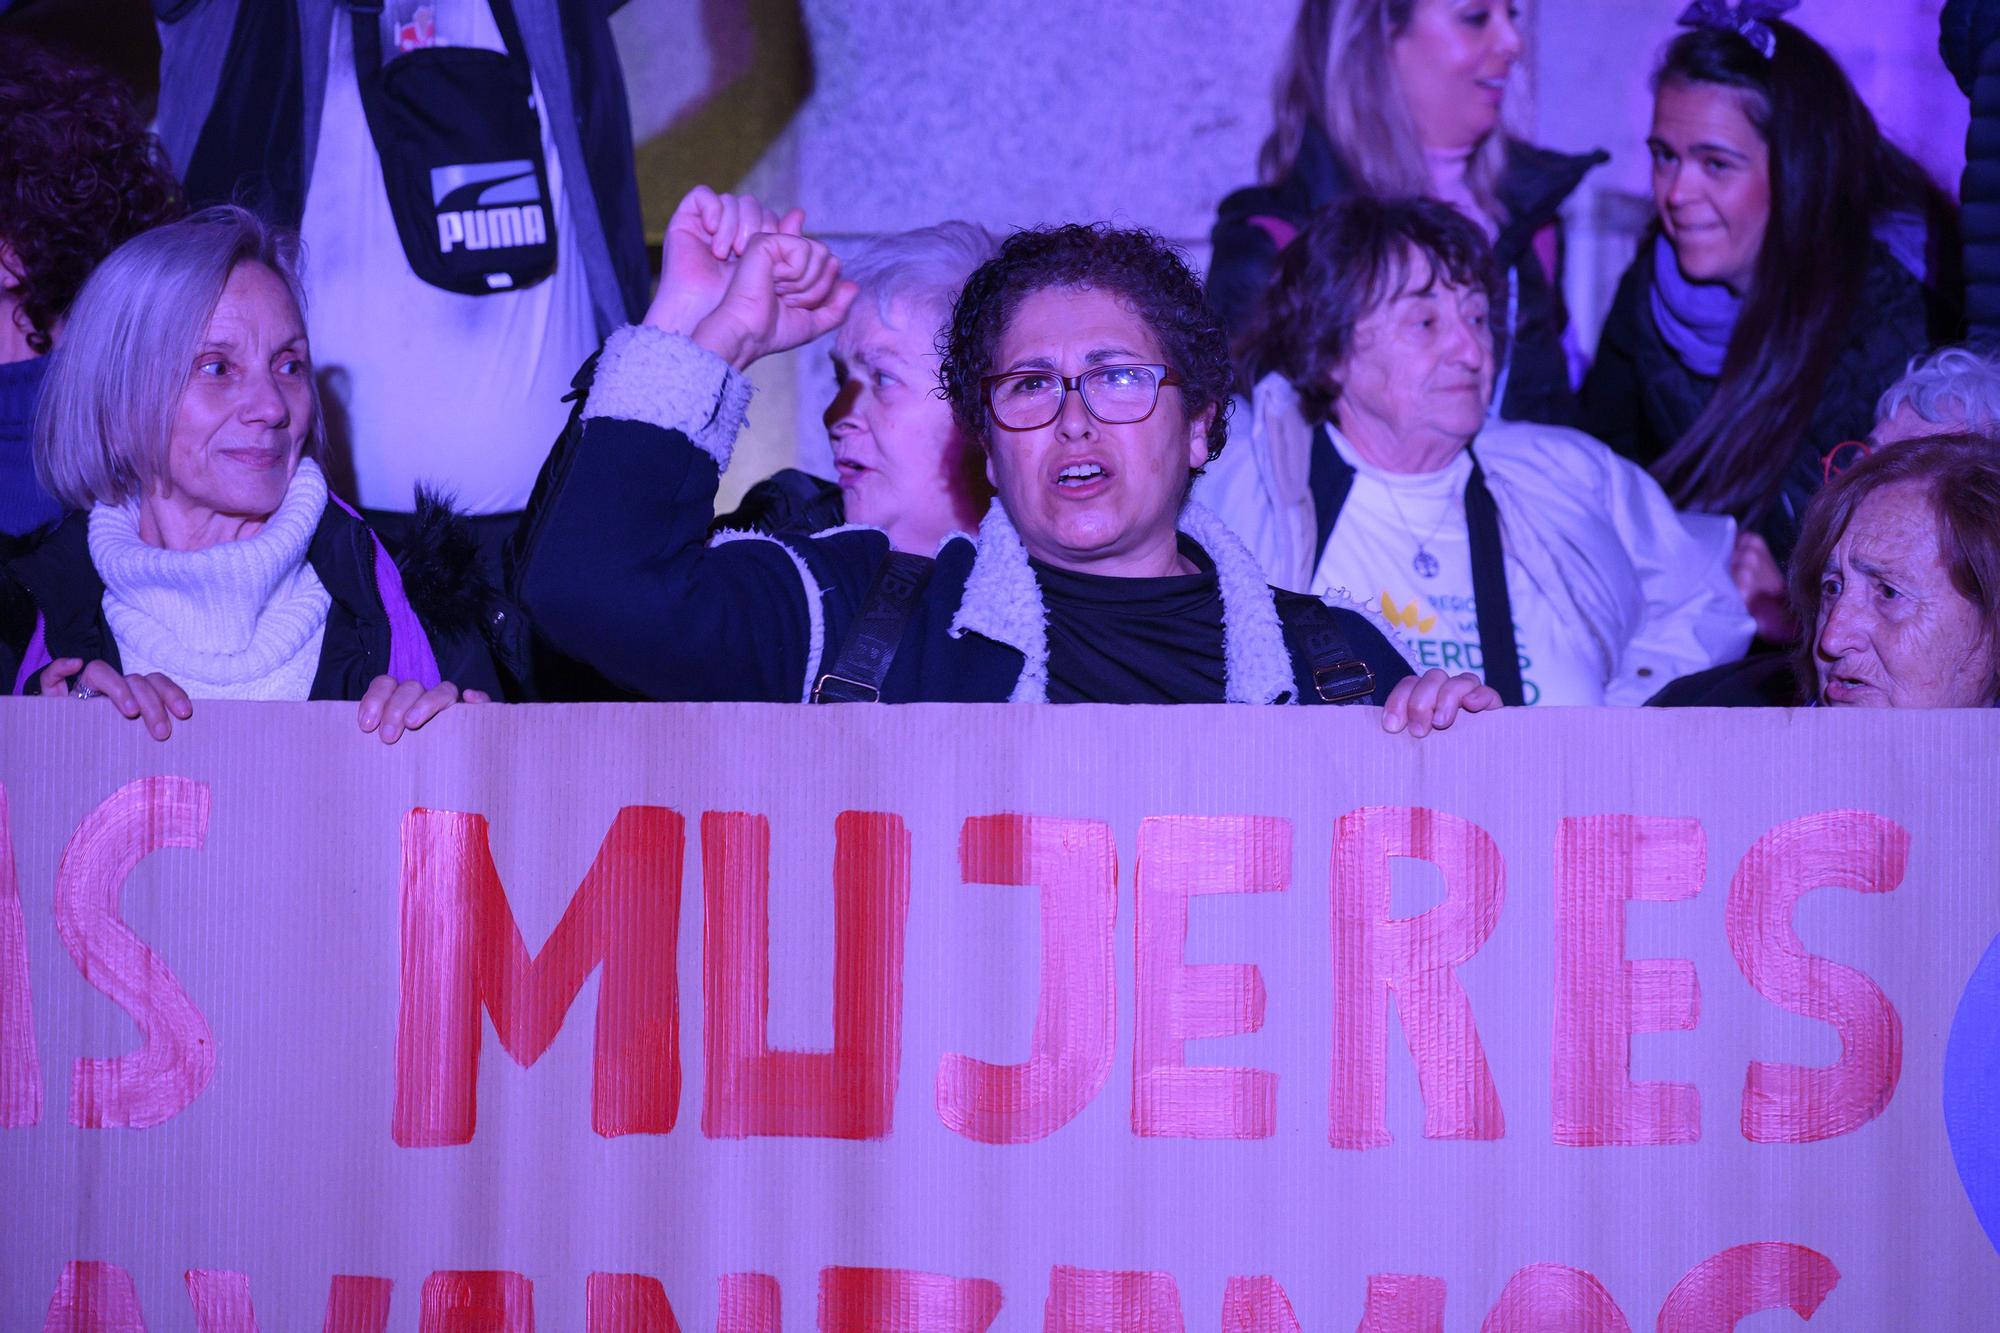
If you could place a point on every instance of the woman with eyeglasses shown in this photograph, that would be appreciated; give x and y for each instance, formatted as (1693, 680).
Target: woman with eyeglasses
(1083, 360)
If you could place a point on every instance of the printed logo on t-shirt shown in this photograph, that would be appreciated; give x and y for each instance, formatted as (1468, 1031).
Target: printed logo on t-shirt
(1443, 631)
(488, 206)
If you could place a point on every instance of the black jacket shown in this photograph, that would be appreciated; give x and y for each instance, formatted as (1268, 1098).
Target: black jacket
(1640, 398)
(613, 563)
(1969, 39)
(789, 500)
(56, 579)
(1532, 189)
(1764, 680)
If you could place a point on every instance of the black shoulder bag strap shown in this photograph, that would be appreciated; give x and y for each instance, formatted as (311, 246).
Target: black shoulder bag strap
(1500, 656)
(251, 146)
(863, 662)
(1339, 674)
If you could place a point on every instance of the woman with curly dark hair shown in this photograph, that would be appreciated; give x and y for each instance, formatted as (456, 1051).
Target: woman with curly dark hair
(78, 175)
(1082, 360)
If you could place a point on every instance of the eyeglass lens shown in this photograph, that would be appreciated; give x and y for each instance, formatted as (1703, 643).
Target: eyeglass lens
(1114, 394)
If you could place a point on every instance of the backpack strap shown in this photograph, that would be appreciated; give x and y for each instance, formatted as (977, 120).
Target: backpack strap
(1339, 674)
(1499, 654)
(863, 661)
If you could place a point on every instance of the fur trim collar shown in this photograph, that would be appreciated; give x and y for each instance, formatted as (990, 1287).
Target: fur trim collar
(1002, 602)
(663, 379)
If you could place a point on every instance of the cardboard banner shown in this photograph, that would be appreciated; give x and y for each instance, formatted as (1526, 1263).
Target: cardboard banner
(749, 1017)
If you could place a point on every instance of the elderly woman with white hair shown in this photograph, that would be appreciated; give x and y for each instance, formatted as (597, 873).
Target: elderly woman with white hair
(204, 558)
(900, 462)
(1952, 391)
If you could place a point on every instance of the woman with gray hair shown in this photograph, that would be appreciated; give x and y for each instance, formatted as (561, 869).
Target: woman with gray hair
(202, 559)
(900, 462)
(1405, 97)
(1952, 390)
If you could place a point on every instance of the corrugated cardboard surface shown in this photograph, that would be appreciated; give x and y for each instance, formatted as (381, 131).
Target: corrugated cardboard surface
(284, 930)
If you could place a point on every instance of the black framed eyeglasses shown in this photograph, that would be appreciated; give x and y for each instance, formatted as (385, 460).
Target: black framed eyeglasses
(1116, 394)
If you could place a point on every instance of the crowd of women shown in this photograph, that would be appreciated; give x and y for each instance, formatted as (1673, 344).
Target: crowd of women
(1363, 463)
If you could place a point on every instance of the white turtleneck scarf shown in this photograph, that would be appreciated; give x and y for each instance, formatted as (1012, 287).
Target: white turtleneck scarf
(238, 620)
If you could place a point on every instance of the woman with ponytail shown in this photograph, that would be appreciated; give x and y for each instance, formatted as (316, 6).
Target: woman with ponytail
(1794, 269)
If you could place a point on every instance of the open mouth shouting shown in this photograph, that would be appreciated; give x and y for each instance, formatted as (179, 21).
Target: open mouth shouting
(1082, 477)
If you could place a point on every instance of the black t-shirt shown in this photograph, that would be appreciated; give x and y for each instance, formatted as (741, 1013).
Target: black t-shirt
(1135, 641)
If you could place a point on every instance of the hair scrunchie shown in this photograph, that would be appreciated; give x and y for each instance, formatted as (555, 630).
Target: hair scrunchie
(1746, 19)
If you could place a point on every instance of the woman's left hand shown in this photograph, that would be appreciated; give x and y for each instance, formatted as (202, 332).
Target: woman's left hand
(392, 707)
(1433, 701)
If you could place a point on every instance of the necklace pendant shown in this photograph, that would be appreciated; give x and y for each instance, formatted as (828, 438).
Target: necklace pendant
(1425, 564)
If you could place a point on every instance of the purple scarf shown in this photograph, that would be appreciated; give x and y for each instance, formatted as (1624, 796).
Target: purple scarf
(1697, 319)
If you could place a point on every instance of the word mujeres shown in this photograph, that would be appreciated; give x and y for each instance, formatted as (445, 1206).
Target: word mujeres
(462, 955)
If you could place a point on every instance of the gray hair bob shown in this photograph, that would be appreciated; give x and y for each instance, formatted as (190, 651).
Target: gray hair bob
(126, 350)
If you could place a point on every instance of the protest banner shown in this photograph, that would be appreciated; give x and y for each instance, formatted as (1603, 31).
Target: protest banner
(938, 1017)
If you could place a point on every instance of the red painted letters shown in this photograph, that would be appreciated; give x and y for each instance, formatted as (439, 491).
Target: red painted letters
(627, 1303)
(94, 1297)
(748, 1303)
(1554, 1298)
(850, 1092)
(1075, 864)
(896, 1300)
(1603, 997)
(20, 1066)
(1848, 849)
(357, 1304)
(161, 1079)
(462, 949)
(477, 1302)
(1257, 1305)
(1088, 1300)
(1403, 1303)
(1744, 1279)
(221, 1301)
(1179, 1001)
(1374, 955)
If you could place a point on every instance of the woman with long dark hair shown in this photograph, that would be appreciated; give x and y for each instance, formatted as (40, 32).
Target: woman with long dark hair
(1394, 98)
(1784, 285)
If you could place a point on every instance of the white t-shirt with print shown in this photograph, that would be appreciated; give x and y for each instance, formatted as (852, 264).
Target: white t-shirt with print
(1372, 557)
(463, 393)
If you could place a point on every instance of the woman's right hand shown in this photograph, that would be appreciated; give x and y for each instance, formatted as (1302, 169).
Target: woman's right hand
(784, 292)
(705, 237)
(154, 697)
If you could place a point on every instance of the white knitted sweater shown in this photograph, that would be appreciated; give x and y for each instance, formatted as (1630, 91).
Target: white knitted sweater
(238, 620)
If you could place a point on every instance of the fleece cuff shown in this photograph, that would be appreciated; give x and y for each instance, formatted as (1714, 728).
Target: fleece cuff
(663, 379)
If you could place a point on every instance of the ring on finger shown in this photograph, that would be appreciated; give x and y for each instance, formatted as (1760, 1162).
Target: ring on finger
(85, 692)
